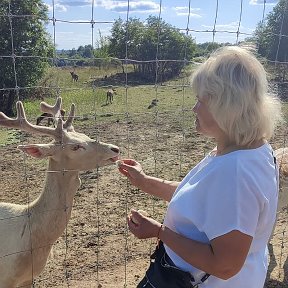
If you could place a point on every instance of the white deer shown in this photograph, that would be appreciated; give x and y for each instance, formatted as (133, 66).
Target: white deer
(281, 155)
(27, 232)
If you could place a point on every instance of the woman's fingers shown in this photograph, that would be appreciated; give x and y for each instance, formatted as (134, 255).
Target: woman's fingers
(125, 165)
(123, 171)
(130, 162)
(136, 217)
(129, 167)
(142, 226)
(131, 224)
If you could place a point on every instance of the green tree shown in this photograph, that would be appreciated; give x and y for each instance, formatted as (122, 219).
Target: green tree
(125, 34)
(72, 52)
(143, 43)
(25, 46)
(272, 35)
(80, 51)
(205, 49)
(88, 51)
(101, 52)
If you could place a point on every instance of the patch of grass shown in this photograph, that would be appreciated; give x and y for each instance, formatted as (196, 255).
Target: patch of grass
(174, 96)
(8, 137)
(89, 93)
(90, 100)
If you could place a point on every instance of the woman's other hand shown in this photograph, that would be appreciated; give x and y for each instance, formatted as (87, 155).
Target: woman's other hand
(142, 226)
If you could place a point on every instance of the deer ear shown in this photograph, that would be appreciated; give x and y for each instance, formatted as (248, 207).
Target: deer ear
(38, 150)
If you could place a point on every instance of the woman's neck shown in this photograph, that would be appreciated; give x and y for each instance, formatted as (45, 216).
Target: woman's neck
(225, 147)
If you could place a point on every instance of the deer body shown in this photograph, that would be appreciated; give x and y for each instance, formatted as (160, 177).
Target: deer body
(281, 155)
(36, 233)
(50, 118)
(74, 76)
(27, 232)
(154, 103)
(110, 93)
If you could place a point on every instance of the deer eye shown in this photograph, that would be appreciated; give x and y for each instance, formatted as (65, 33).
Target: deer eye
(76, 147)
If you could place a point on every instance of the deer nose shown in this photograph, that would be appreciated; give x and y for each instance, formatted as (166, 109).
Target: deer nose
(115, 149)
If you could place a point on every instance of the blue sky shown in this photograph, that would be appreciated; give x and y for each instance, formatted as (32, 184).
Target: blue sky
(71, 33)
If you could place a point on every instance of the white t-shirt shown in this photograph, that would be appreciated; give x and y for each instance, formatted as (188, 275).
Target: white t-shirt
(235, 191)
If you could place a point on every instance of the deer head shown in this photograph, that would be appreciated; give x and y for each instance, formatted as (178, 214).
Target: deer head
(70, 149)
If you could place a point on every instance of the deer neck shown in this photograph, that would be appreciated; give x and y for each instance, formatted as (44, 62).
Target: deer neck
(52, 209)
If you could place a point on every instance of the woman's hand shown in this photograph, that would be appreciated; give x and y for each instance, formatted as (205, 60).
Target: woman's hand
(142, 226)
(132, 170)
(154, 186)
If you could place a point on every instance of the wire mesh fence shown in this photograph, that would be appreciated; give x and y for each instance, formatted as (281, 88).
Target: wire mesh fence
(96, 249)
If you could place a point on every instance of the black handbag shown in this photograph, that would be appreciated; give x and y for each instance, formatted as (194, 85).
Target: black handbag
(162, 273)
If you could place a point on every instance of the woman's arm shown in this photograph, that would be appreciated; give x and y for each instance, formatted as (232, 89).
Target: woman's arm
(154, 186)
(223, 257)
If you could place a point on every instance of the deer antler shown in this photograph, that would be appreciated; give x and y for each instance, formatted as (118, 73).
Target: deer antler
(68, 123)
(23, 124)
(56, 112)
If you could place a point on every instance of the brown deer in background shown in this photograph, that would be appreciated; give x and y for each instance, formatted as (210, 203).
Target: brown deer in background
(27, 232)
(49, 117)
(74, 76)
(109, 95)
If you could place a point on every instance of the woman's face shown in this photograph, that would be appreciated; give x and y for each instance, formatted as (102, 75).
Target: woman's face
(205, 122)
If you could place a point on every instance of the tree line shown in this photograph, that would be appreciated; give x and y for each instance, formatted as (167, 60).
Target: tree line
(154, 48)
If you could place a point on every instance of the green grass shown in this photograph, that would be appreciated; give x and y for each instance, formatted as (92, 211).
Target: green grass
(131, 101)
(91, 102)
(8, 137)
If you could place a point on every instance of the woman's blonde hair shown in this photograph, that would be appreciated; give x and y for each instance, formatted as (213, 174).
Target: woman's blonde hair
(235, 84)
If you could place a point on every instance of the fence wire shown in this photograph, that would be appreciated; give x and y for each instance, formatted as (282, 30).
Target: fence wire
(128, 138)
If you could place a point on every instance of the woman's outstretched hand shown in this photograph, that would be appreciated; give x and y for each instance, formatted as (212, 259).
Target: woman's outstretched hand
(142, 226)
(132, 170)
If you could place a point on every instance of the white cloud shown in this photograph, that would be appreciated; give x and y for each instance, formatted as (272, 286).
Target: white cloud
(144, 6)
(233, 26)
(58, 7)
(184, 11)
(62, 5)
(121, 6)
(73, 3)
(261, 2)
(230, 28)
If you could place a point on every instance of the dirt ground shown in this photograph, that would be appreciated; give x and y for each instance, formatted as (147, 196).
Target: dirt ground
(97, 250)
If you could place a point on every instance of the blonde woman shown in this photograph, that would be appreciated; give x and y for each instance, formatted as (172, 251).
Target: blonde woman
(221, 215)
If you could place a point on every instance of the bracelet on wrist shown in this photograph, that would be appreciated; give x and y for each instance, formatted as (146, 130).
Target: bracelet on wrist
(158, 234)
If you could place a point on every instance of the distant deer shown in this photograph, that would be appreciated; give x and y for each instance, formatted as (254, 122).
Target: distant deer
(49, 117)
(154, 103)
(110, 93)
(74, 76)
(28, 231)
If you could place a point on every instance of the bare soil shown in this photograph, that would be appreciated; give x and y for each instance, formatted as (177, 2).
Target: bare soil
(97, 250)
